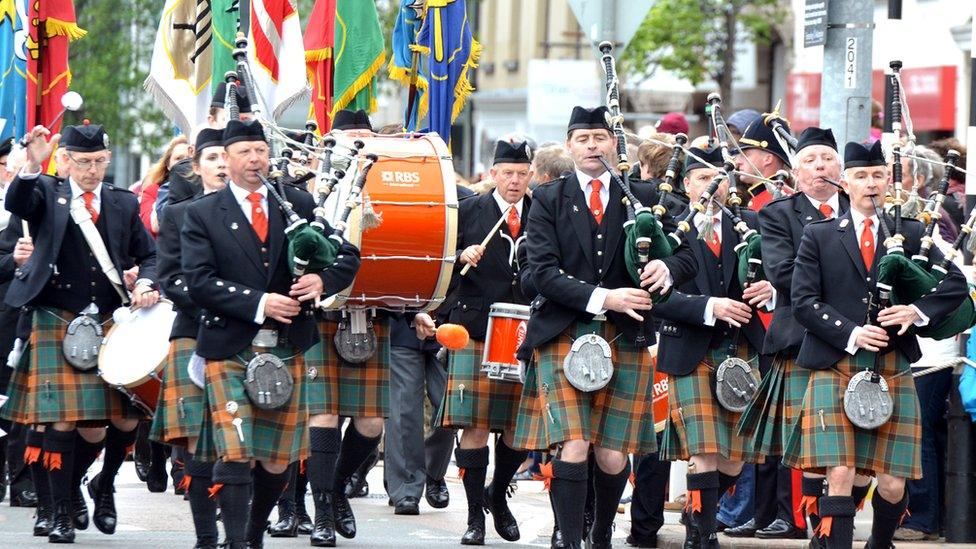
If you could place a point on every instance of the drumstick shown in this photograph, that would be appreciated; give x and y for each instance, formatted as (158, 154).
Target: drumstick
(25, 227)
(490, 234)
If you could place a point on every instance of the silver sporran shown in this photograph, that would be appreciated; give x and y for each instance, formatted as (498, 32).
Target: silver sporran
(82, 340)
(867, 403)
(194, 368)
(352, 347)
(588, 366)
(268, 382)
(736, 383)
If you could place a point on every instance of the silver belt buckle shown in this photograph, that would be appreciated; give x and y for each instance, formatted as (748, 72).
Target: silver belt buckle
(265, 338)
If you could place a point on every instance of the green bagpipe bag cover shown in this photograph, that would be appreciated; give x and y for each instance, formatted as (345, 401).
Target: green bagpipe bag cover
(910, 281)
(646, 226)
(752, 249)
(309, 243)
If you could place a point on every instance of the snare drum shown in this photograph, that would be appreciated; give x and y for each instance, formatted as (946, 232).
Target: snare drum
(507, 323)
(659, 400)
(132, 355)
(407, 261)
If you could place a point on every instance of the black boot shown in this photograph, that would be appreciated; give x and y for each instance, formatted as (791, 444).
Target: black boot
(85, 455)
(305, 525)
(287, 524)
(569, 480)
(34, 460)
(202, 506)
(267, 489)
(355, 449)
(324, 447)
(507, 461)
(323, 533)
(608, 489)
(692, 539)
(474, 461)
(142, 453)
(102, 490)
(887, 518)
(232, 480)
(704, 488)
(812, 490)
(837, 521)
(357, 487)
(63, 530)
(59, 450)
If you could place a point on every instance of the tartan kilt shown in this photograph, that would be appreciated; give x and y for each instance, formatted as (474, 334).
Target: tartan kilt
(269, 435)
(823, 437)
(473, 400)
(54, 390)
(530, 424)
(179, 412)
(340, 388)
(617, 417)
(769, 419)
(18, 396)
(697, 424)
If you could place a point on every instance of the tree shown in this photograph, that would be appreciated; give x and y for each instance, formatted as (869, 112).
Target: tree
(696, 39)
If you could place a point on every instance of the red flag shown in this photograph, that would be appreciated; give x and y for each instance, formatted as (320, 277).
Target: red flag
(319, 42)
(52, 26)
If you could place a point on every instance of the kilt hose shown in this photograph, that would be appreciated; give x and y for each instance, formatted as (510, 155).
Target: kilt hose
(768, 420)
(179, 412)
(50, 390)
(337, 387)
(473, 400)
(823, 437)
(697, 424)
(617, 417)
(269, 435)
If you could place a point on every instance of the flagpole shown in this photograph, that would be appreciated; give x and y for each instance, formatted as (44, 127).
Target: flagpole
(412, 90)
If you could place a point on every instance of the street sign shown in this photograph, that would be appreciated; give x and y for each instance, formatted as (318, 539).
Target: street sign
(613, 20)
(815, 23)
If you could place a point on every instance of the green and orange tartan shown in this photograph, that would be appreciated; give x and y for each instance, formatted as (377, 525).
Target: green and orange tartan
(617, 417)
(823, 436)
(768, 420)
(352, 390)
(53, 390)
(697, 423)
(269, 435)
(530, 424)
(179, 412)
(16, 408)
(473, 400)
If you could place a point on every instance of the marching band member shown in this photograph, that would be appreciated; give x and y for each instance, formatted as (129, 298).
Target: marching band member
(180, 412)
(575, 255)
(475, 403)
(761, 149)
(235, 263)
(704, 322)
(62, 282)
(832, 294)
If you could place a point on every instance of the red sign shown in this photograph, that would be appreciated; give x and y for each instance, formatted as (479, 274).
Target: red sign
(931, 93)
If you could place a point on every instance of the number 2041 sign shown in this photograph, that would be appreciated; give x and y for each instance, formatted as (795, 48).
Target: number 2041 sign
(850, 64)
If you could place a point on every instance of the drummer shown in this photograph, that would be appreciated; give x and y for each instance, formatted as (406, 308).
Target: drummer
(704, 322)
(180, 413)
(63, 280)
(474, 403)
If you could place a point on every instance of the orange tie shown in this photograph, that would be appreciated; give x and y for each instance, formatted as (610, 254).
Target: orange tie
(89, 197)
(826, 210)
(596, 205)
(259, 220)
(714, 243)
(867, 244)
(513, 221)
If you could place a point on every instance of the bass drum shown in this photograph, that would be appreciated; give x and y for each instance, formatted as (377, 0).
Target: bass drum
(408, 259)
(132, 355)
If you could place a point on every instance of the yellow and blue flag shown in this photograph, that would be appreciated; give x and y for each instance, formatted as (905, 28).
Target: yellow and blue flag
(404, 66)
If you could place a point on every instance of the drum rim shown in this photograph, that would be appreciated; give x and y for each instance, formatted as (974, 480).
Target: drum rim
(510, 310)
(145, 377)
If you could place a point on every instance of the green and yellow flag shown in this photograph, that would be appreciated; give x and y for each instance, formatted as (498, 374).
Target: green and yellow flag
(359, 55)
(225, 20)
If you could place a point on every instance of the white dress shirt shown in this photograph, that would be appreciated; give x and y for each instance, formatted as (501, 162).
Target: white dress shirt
(503, 205)
(77, 194)
(240, 196)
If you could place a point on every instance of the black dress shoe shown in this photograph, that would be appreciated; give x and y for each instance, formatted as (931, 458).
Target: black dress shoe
(436, 493)
(104, 516)
(505, 523)
(305, 525)
(474, 535)
(62, 531)
(407, 506)
(634, 541)
(357, 487)
(44, 521)
(780, 529)
(345, 521)
(323, 531)
(79, 510)
(556, 540)
(287, 525)
(747, 530)
(23, 498)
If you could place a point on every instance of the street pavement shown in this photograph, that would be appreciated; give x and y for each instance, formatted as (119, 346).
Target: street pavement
(163, 521)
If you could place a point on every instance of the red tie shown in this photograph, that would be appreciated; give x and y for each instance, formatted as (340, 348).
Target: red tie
(259, 220)
(867, 244)
(714, 243)
(596, 205)
(89, 197)
(826, 210)
(513, 221)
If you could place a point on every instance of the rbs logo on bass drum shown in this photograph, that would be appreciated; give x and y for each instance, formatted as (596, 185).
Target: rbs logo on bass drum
(400, 179)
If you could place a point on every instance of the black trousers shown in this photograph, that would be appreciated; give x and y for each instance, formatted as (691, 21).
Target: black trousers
(774, 492)
(647, 502)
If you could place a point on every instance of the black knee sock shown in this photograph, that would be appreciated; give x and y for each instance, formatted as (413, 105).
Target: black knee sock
(812, 490)
(232, 480)
(117, 445)
(725, 483)
(507, 462)
(202, 506)
(34, 458)
(287, 497)
(887, 517)
(267, 488)
(85, 455)
(323, 454)
(474, 461)
(704, 488)
(59, 459)
(569, 480)
(607, 489)
(837, 521)
(860, 493)
(355, 449)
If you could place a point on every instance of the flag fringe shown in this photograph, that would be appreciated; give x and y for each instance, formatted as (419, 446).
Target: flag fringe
(313, 56)
(402, 75)
(168, 106)
(463, 88)
(287, 103)
(58, 27)
(361, 82)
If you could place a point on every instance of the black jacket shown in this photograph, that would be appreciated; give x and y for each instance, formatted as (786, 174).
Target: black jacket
(830, 290)
(227, 272)
(44, 202)
(685, 339)
(171, 280)
(781, 223)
